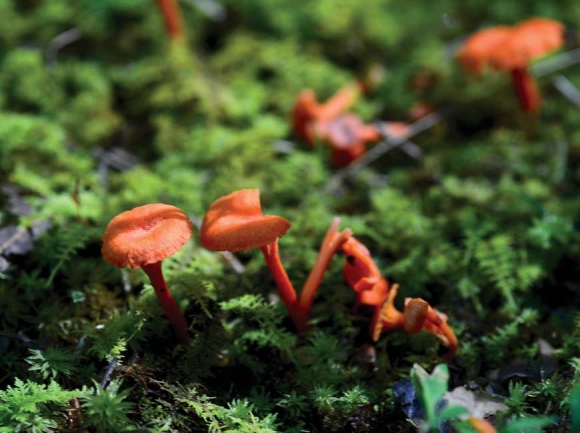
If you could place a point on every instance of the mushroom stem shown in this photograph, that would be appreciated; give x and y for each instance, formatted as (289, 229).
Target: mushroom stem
(330, 245)
(526, 89)
(173, 21)
(285, 287)
(341, 100)
(170, 307)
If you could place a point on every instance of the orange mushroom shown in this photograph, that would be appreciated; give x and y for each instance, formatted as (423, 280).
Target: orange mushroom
(363, 275)
(142, 238)
(235, 222)
(348, 137)
(310, 116)
(419, 315)
(512, 48)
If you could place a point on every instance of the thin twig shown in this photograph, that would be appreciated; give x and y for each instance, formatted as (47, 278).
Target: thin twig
(58, 43)
(556, 63)
(210, 8)
(105, 380)
(12, 239)
(568, 89)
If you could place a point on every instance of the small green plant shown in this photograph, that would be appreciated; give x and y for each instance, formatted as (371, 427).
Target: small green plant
(33, 407)
(52, 363)
(430, 390)
(106, 408)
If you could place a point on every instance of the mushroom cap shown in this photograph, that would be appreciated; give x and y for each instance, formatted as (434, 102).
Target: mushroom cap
(415, 314)
(513, 47)
(360, 270)
(145, 235)
(235, 222)
(480, 47)
(530, 39)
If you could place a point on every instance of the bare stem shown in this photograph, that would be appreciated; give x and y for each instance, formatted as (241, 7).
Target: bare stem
(526, 89)
(172, 16)
(285, 287)
(170, 307)
(330, 245)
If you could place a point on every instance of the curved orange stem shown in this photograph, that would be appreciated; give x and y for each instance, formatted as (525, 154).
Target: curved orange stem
(172, 16)
(341, 100)
(285, 287)
(330, 245)
(170, 307)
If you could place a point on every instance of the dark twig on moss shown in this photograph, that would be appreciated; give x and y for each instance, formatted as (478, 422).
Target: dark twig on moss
(105, 380)
(58, 42)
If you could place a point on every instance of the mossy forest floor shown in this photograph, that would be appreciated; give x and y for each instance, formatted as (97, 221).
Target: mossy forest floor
(103, 110)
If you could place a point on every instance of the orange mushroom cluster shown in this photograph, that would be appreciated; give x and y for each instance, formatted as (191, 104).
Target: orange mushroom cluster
(372, 289)
(511, 48)
(146, 235)
(329, 122)
(235, 222)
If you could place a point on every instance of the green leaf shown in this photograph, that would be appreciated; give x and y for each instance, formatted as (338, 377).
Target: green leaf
(528, 425)
(575, 409)
(430, 388)
(450, 412)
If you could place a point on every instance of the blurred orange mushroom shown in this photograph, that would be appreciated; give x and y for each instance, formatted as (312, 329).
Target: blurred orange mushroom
(512, 48)
(348, 137)
(310, 116)
(142, 238)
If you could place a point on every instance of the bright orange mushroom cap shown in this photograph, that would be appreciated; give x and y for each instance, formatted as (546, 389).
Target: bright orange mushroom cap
(480, 46)
(235, 222)
(505, 47)
(532, 38)
(145, 235)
